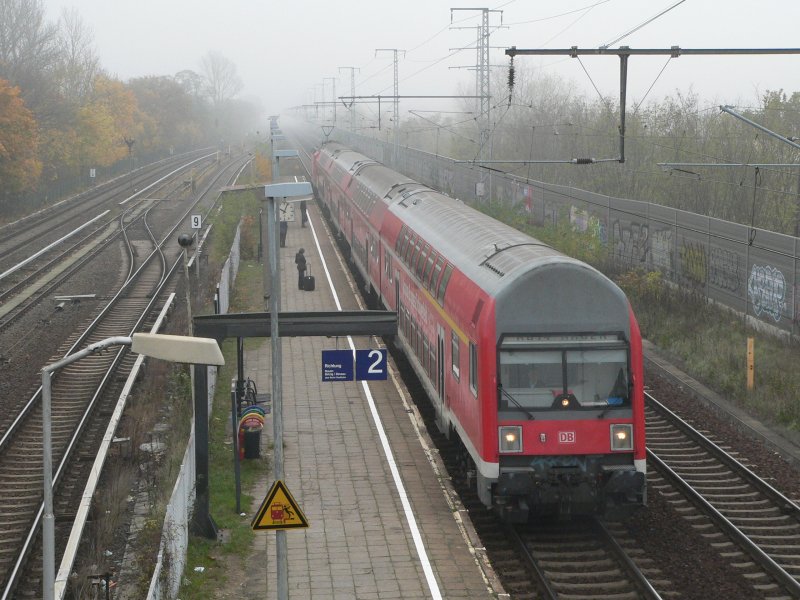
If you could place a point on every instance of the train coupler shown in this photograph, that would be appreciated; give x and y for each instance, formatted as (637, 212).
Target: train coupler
(513, 509)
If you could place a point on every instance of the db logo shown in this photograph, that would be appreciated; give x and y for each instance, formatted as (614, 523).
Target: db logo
(566, 437)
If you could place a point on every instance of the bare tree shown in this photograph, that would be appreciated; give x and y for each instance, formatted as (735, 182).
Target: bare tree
(221, 77)
(78, 61)
(29, 52)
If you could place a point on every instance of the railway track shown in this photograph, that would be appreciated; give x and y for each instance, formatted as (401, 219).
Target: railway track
(77, 398)
(79, 402)
(749, 522)
(582, 559)
(23, 288)
(23, 285)
(46, 225)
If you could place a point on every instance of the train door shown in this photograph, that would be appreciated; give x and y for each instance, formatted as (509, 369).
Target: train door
(440, 362)
(397, 290)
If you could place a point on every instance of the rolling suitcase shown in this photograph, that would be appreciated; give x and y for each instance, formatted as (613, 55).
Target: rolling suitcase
(309, 283)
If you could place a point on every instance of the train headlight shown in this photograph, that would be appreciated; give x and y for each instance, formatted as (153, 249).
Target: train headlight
(621, 437)
(510, 438)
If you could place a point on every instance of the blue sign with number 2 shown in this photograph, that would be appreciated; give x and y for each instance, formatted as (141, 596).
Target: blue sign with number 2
(371, 365)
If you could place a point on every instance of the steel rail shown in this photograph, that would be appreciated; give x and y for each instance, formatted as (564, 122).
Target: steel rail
(786, 505)
(19, 564)
(762, 485)
(744, 542)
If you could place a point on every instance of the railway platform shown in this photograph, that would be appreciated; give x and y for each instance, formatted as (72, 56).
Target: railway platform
(383, 521)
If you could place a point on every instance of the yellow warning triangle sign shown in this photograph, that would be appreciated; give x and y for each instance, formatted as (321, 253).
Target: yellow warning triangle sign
(279, 510)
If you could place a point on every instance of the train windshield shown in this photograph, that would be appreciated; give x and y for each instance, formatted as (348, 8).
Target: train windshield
(589, 377)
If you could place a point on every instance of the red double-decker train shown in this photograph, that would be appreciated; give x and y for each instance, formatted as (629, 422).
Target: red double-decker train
(532, 360)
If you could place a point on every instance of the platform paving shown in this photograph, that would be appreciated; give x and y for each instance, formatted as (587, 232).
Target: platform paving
(360, 544)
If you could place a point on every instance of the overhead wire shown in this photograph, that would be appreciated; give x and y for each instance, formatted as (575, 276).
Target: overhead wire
(558, 16)
(638, 27)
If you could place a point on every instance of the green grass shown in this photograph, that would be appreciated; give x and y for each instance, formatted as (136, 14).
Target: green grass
(209, 554)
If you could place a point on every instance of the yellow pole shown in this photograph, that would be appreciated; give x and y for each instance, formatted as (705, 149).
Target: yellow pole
(750, 364)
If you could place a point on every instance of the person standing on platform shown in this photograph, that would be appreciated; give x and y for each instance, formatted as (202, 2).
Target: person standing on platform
(284, 230)
(300, 261)
(303, 215)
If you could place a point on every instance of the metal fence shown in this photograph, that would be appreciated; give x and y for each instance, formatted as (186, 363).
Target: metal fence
(753, 271)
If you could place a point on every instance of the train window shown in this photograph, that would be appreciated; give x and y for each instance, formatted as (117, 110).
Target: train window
(411, 247)
(421, 261)
(415, 257)
(454, 354)
(425, 363)
(473, 369)
(448, 271)
(432, 360)
(428, 270)
(402, 238)
(598, 377)
(533, 379)
(407, 237)
(437, 271)
(387, 264)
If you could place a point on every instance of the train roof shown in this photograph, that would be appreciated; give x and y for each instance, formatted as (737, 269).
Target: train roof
(503, 261)
(371, 173)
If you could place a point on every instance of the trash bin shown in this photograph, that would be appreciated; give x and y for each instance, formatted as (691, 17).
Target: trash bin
(252, 443)
(250, 426)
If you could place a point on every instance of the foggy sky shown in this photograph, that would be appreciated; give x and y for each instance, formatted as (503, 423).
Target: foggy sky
(285, 49)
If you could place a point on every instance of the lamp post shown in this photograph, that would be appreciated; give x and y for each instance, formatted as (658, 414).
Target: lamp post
(185, 241)
(129, 142)
(173, 348)
(274, 192)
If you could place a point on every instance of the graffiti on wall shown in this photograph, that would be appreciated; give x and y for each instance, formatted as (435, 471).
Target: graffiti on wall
(579, 218)
(693, 262)
(767, 291)
(630, 242)
(724, 269)
(719, 267)
(661, 244)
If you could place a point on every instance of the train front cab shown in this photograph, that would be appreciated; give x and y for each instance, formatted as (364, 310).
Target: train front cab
(570, 422)
(565, 426)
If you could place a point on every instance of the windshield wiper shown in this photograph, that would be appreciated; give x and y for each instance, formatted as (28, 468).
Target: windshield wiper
(604, 411)
(516, 403)
(608, 407)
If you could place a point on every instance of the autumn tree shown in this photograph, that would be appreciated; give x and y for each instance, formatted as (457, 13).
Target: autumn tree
(192, 83)
(110, 116)
(171, 112)
(19, 166)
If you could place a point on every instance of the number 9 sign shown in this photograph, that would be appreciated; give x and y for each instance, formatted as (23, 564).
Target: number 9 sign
(371, 365)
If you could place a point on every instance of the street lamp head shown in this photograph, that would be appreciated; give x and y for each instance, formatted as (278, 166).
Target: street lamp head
(178, 348)
(185, 240)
